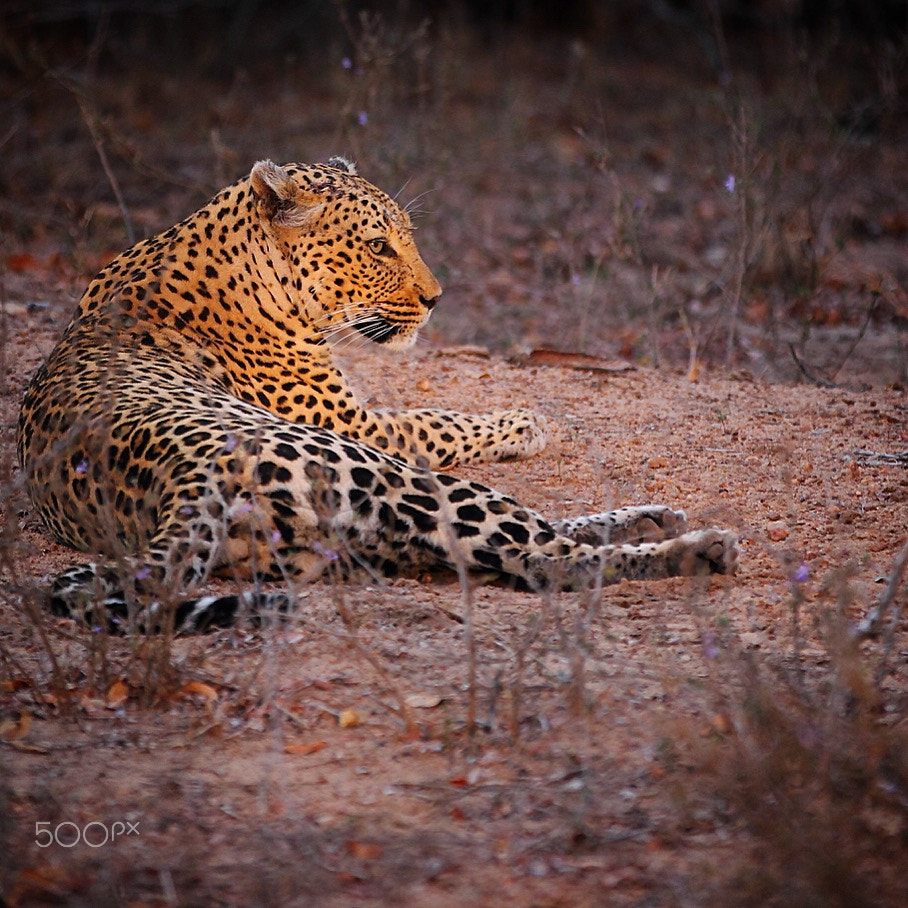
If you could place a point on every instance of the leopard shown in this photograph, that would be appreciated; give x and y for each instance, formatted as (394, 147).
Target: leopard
(192, 423)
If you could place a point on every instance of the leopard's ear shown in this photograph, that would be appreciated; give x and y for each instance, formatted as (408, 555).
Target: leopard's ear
(342, 163)
(280, 199)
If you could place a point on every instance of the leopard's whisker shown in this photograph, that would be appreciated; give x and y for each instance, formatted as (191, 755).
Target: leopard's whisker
(332, 315)
(396, 195)
(351, 325)
(411, 208)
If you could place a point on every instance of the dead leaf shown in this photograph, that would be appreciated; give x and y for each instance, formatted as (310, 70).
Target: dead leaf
(117, 695)
(720, 724)
(15, 729)
(365, 851)
(24, 261)
(349, 718)
(303, 750)
(9, 685)
(198, 689)
(35, 884)
(465, 350)
(543, 356)
(28, 748)
(423, 701)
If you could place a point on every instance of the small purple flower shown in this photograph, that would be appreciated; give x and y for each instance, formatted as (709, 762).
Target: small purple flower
(82, 467)
(347, 63)
(363, 118)
(730, 182)
(143, 573)
(802, 574)
(275, 536)
(327, 554)
(710, 645)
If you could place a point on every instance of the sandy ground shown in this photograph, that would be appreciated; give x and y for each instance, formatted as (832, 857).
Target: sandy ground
(359, 755)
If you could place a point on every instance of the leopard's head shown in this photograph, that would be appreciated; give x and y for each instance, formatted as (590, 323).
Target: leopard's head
(350, 250)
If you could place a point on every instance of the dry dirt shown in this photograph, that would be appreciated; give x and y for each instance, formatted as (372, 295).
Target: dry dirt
(581, 760)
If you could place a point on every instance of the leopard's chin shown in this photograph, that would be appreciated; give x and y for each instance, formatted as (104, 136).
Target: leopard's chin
(389, 334)
(401, 340)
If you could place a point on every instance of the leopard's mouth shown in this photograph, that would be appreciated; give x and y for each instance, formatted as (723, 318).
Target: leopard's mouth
(377, 329)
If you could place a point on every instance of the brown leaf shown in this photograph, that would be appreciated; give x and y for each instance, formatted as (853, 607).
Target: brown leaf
(8, 685)
(349, 718)
(24, 261)
(302, 750)
(544, 356)
(117, 694)
(693, 374)
(365, 851)
(15, 729)
(198, 689)
(423, 701)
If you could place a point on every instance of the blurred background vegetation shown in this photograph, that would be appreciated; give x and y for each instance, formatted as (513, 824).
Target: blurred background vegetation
(676, 183)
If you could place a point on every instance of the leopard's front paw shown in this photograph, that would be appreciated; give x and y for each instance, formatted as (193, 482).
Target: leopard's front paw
(519, 433)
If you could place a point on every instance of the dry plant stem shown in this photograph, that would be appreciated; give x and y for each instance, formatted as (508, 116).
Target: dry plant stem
(658, 281)
(516, 696)
(467, 599)
(37, 616)
(4, 332)
(741, 157)
(827, 383)
(797, 598)
(742, 153)
(715, 18)
(12, 669)
(91, 121)
(870, 625)
(351, 626)
(796, 589)
(572, 650)
(445, 524)
(693, 344)
(813, 379)
(523, 647)
(158, 666)
(874, 300)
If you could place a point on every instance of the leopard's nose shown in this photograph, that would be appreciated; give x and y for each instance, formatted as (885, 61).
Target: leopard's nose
(430, 302)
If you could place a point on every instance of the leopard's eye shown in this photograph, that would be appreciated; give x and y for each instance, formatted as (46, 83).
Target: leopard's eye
(379, 246)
